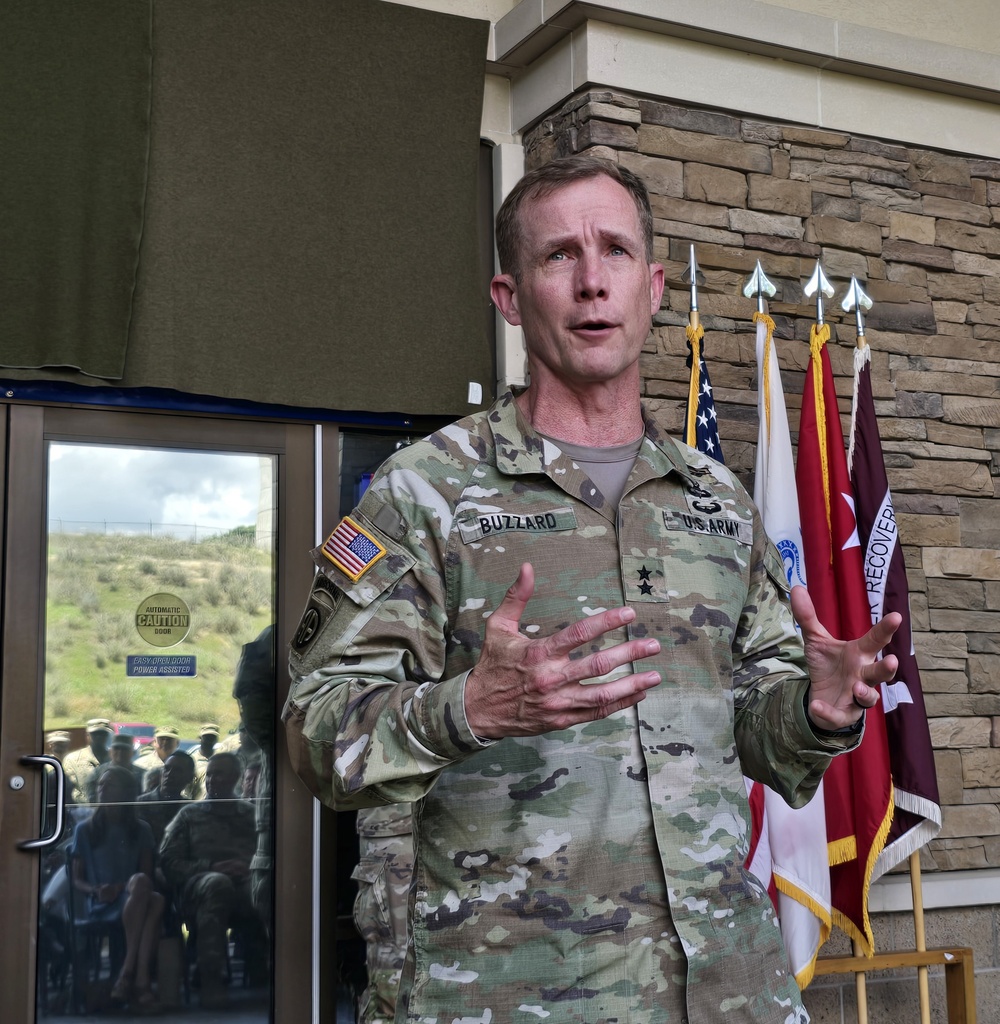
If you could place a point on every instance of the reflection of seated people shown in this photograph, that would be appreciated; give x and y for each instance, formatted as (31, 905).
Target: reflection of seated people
(208, 737)
(80, 765)
(205, 856)
(113, 866)
(121, 751)
(159, 806)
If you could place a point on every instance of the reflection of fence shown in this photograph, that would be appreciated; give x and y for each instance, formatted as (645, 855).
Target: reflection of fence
(185, 531)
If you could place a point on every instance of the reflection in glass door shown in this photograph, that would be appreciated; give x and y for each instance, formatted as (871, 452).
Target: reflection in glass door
(159, 676)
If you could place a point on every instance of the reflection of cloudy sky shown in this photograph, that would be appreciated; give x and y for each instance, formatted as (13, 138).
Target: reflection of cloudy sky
(129, 488)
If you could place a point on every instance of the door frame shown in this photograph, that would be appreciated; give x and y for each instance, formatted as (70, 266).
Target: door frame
(24, 431)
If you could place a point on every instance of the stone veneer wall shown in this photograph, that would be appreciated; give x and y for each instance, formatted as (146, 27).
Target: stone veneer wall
(920, 230)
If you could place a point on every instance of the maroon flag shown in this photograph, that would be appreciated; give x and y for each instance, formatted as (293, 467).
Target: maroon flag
(857, 785)
(917, 817)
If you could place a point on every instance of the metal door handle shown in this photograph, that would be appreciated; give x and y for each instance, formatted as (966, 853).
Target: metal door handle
(42, 841)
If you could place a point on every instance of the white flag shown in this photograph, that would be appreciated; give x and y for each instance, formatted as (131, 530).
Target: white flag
(797, 838)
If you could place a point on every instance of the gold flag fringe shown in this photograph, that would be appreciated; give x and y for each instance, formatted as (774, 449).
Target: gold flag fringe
(766, 383)
(818, 337)
(865, 940)
(694, 336)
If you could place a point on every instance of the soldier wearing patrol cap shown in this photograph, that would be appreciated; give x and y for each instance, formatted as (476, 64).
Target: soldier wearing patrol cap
(522, 629)
(208, 737)
(122, 751)
(166, 740)
(57, 743)
(80, 765)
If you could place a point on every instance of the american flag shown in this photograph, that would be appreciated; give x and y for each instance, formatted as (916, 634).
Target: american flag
(351, 549)
(702, 425)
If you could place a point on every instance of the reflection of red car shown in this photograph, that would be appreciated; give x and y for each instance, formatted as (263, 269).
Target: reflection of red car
(142, 732)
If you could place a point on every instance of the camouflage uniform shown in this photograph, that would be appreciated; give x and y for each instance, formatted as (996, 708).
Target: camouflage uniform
(197, 786)
(383, 874)
(593, 874)
(80, 767)
(158, 811)
(200, 834)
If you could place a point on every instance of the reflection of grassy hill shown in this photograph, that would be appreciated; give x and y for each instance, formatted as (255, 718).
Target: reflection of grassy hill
(95, 583)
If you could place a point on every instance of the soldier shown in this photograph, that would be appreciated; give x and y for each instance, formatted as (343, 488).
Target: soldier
(165, 741)
(383, 873)
(120, 752)
(205, 855)
(57, 744)
(567, 636)
(208, 737)
(160, 805)
(80, 765)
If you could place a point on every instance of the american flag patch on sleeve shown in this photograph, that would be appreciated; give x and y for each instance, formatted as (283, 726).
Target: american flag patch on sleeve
(352, 549)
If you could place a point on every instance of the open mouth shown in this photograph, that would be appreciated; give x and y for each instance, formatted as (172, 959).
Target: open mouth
(593, 325)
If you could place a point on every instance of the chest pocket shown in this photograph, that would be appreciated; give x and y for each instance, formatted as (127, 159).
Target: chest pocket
(685, 556)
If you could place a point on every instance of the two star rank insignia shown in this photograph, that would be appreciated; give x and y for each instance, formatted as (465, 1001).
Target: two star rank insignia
(644, 578)
(644, 584)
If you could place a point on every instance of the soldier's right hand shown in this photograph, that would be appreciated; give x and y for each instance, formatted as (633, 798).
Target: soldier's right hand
(524, 687)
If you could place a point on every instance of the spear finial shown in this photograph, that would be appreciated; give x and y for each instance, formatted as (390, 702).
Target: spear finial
(857, 300)
(694, 277)
(820, 286)
(759, 285)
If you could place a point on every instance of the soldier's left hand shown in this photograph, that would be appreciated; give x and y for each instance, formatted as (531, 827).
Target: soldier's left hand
(844, 675)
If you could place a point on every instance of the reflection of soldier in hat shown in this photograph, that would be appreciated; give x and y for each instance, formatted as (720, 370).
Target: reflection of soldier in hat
(166, 740)
(121, 752)
(57, 744)
(208, 737)
(80, 765)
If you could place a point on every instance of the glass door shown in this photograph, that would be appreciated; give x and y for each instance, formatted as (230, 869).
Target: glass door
(146, 813)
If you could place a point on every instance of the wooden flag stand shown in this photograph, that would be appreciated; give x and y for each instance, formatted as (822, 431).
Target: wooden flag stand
(959, 975)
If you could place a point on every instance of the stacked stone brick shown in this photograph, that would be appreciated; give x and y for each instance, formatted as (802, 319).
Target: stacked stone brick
(921, 230)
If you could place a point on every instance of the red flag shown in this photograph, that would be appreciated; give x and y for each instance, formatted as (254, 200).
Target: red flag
(917, 817)
(858, 786)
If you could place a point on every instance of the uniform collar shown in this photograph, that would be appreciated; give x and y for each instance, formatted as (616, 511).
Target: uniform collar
(521, 451)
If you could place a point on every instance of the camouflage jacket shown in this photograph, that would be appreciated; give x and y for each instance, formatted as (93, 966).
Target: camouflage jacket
(203, 832)
(80, 767)
(592, 874)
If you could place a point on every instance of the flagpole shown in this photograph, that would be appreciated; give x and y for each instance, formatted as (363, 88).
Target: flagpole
(917, 891)
(694, 335)
(857, 300)
(860, 985)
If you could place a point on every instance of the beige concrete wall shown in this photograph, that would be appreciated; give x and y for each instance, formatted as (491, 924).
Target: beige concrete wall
(974, 24)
